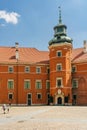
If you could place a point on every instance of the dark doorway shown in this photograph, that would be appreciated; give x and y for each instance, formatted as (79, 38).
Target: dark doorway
(29, 102)
(59, 101)
(29, 99)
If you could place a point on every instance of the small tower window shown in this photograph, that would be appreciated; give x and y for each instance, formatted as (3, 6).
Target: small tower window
(59, 67)
(60, 29)
(59, 82)
(59, 53)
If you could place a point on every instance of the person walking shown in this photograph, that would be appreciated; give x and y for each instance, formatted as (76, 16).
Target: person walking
(4, 108)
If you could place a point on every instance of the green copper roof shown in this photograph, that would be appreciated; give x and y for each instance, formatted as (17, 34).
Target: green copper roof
(60, 34)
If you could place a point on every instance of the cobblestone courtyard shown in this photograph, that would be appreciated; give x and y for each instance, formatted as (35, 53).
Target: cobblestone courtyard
(44, 118)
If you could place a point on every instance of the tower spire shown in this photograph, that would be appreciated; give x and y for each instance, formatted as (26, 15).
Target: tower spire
(60, 20)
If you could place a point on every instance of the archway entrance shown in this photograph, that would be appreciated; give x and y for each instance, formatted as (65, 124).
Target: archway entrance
(59, 101)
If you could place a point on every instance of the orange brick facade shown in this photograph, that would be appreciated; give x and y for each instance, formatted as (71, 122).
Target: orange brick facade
(65, 74)
(20, 94)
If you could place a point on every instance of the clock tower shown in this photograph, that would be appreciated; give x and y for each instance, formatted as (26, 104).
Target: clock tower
(60, 48)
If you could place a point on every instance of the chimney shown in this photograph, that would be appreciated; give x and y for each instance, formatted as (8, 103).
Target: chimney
(16, 45)
(17, 51)
(85, 46)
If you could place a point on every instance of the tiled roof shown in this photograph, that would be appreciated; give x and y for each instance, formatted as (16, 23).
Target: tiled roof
(78, 55)
(26, 55)
(32, 55)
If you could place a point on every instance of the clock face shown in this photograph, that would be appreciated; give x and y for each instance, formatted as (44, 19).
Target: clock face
(59, 91)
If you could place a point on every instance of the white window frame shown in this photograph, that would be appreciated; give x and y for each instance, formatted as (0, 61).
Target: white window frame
(40, 83)
(75, 69)
(48, 70)
(76, 80)
(10, 67)
(29, 83)
(8, 96)
(59, 52)
(38, 69)
(47, 81)
(40, 95)
(59, 64)
(57, 82)
(8, 85)
(27, 69)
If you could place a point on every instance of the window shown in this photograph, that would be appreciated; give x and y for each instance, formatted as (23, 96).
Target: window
(10, 69)
(75, 83)
(48, 96)
(59, 82)
(48, 70)
(39, 96)
(59, 53)
(38, 84)
(66, 98)
(60, 29)
(59, 67)
(73, 69)
(27, 69)
(74, 96)
(38, 70)
(47, 84)
(27, 84)
(10, 96)
(29, 96)
(10, 84)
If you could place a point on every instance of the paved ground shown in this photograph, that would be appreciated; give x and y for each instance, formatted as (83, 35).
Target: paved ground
(44, 118)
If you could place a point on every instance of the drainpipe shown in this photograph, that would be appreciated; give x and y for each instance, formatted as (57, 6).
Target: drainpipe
(17, 58)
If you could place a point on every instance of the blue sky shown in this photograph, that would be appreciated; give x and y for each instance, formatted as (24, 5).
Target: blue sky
(31, 22)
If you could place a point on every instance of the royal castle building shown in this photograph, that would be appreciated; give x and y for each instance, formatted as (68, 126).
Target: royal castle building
(29, 76)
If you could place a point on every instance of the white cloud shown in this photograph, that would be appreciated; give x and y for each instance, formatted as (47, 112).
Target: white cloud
(9, 17)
